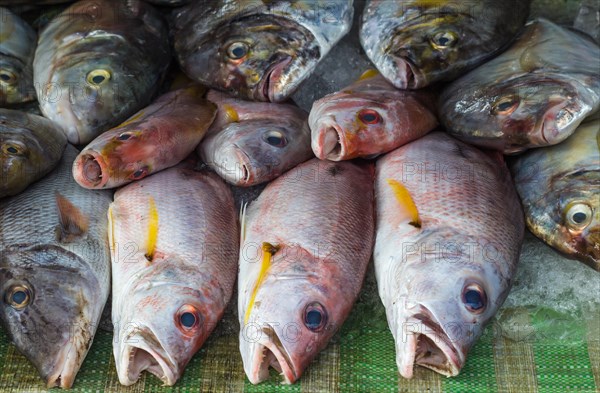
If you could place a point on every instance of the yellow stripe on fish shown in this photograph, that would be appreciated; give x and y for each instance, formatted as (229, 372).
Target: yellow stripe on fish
(111, 229)
(406, 201)
(231, 114)
(152, 235)
(131, 119)
(268, 251)
(370, 73)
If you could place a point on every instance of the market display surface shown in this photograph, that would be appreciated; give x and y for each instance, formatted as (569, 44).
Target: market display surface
(302, 196)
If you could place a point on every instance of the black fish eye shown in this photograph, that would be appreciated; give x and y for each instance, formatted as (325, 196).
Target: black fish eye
(505, 105)
(444, 39)
(275, 138)
(139, 173)
(11, 149)
(18, 297)
(187, 319)
(7, 77)
(578, 215)
(369, 116)
(124, 136)
(237, 50)
(474, 298)
(315, 316)
(98, 77)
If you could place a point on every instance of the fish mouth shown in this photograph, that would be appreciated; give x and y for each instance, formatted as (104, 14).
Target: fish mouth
(267, 88)
(330, 144)
(145, 353)
(90, 170)
(557, 120)
(67, 367)
(408, 76)
(428, 347)
(243, 174)
(269, 352)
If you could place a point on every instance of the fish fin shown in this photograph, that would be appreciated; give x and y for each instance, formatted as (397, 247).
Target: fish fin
(406, 201)
(152, 234)
(73, 223)
(231, 115)
(243, 221)
(111, 229)
(132, 119)
(268, 251)
(370, 73)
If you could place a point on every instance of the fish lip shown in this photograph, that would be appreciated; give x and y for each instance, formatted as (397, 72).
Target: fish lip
(267, 85)
(86, 162)
(330, 143)
(244, 162)
(408, 353)
(64, 373)
(263, 355)
(407, 76)
(127, 371)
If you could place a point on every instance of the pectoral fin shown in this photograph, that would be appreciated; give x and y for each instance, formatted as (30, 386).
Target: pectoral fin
(72, 222)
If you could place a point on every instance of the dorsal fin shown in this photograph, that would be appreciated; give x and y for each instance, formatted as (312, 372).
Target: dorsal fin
(268, 250)
(230, 114)
(73, 223)
(152, 234)
(370, 73)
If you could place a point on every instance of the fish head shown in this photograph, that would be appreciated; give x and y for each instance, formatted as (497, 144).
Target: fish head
(530, 111)
(290, 317)
(16, 81)
(125, 153)
(49, 302)
(435, 43)
(93, 90)
(259, 57)
(163, 321)
(341, 125)
(445, 304)
(255, 151)
(569, 217)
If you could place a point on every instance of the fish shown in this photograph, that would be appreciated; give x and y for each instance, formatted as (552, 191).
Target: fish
(588, 19)
(558, 186)
(416, 43)
(157, 137)
(534, 94)
(172, 3)
(306, 242)
(449, 232)
(54, 271)
(99, 62)
(254, 142)
(174, 265)
(30, 147)
(258, 50)
(17, 46)
(368, 118)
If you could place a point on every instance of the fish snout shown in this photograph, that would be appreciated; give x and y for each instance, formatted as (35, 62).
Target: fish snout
(272, 86)
(142, 351)
(407, 74)
(329, 143)
(90, 170)
(265, 352)
(421, 340)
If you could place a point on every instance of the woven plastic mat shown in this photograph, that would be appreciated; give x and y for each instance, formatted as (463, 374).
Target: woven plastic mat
(533, 356)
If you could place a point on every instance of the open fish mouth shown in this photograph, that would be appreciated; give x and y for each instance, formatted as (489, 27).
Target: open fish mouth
(428, 346)
(268, 88)
(67, 366)
(330, 144)
(90, 170)
(408, 76)
(144, 353)
(269, 353)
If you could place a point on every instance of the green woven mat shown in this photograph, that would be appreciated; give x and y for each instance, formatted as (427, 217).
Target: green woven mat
(545, 353)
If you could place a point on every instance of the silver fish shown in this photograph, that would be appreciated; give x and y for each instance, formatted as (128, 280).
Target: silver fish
(534, 94)
(256, 49)
(54, 271)
(99, 62)
(17, 46)
(449, 231)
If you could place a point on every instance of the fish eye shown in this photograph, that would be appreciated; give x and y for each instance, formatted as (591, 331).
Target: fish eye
(578, 215)
(275, 138)
(474, 298)
(188, 318)
(369, 116)
(237, 50)
(18, 297)
(505, 105)
(98, 77)
(315, 316)
(12, 150)
(125, 136)
(444, 39)
(7, 77)
(140, 173)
